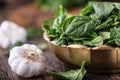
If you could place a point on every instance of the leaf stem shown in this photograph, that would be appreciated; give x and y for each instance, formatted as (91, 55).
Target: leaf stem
(81, 69)
(61, 9)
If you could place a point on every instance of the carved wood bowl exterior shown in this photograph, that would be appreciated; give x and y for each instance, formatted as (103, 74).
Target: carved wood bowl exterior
(101, 59)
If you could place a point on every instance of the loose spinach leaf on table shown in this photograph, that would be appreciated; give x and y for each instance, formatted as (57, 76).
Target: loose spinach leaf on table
(69, 75)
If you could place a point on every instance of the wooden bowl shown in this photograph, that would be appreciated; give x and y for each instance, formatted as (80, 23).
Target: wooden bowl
(101, 59)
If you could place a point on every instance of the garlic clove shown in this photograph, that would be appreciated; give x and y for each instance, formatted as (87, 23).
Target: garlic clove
(17, 52)
(5, 44)
(23, 68)
(11, 33)
(29, 47)
(15, 64)
(39, 68)
(41, 59)
(5, 25)
(21, 33)
(4, 41)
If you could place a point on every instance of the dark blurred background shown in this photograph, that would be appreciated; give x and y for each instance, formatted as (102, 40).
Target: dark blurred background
(30, 12)
(13, 3)
(7, 6)
(17, 3)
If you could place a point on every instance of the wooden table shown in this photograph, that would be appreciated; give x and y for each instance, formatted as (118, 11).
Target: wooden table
(52, 62)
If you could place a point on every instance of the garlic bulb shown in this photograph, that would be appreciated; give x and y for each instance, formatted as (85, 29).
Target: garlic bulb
(27, 60)
(10, 33)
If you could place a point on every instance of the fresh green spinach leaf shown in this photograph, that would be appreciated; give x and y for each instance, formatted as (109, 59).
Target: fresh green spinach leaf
(104, 25)
(115, 35)
(69, 75)
(102, 8)
(81, 26)
(105, 35)
(95, 42)
(87, 11)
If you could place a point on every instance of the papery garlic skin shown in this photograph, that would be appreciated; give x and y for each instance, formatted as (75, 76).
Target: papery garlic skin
(11, 33)
(27, 60)
(4, 40)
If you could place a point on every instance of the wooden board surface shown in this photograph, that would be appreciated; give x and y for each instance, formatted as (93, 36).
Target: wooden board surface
(52, 64)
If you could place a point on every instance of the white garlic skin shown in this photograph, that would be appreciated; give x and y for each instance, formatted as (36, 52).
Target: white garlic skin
(10, 33)
(27, 60)
(4, 40)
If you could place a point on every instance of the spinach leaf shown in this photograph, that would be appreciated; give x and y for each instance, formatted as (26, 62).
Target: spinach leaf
(102, 8)
(117, 5)
(63, 38)
(115, 35)
(79, 40)
(58, 20)
(105, 25)
(105, 35)
(48, 22)
(63, 25)
(117, 41)
(60, 11)
(81, 26)
(87, 11)
(95, 42)
(45, 28)
(69, 75)
(60, 41)
(60, 16)
(51, 32)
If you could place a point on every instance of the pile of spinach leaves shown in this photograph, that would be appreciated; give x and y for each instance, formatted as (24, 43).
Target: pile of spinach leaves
(97, 24)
